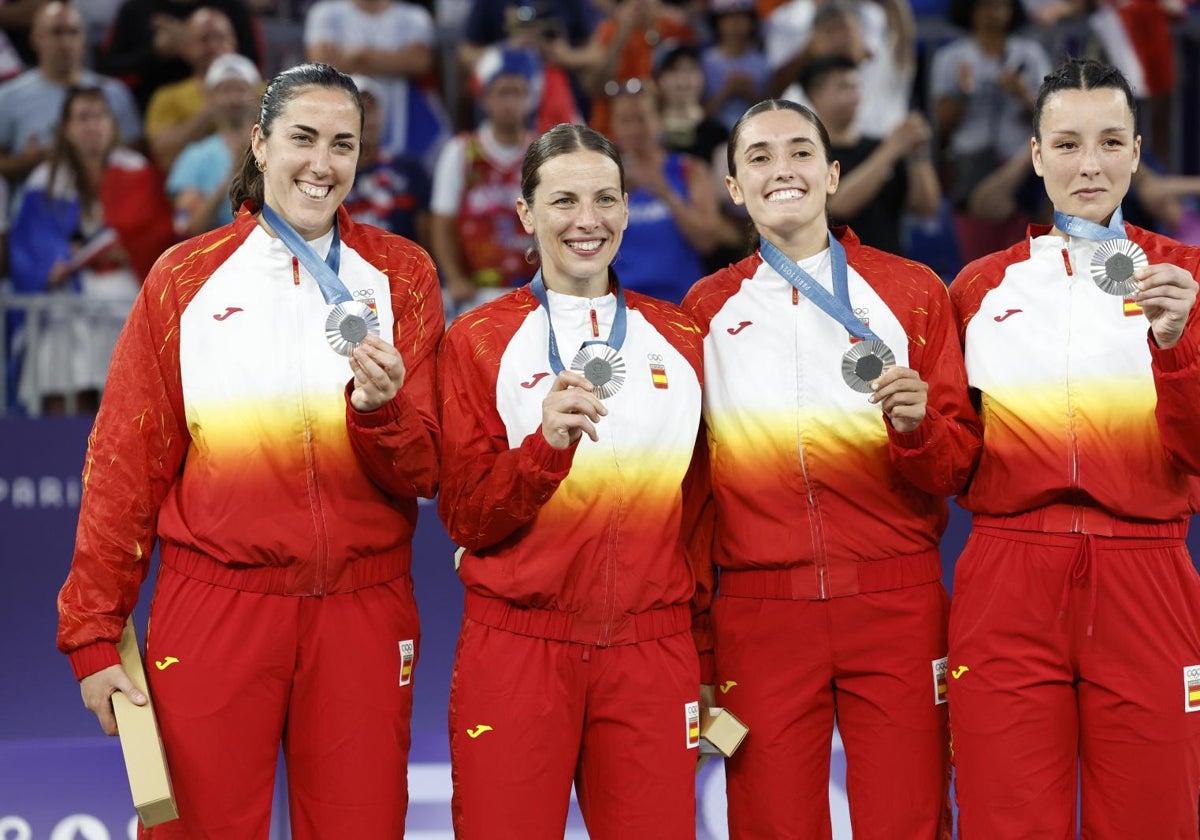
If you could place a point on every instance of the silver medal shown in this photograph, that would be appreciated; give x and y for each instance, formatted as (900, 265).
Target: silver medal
(602, 366)
(348, 324)
(864, 362)
(1113, 265)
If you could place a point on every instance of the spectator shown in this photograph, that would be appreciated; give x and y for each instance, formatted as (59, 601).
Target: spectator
(392, 42)
(91, 220)
(879, 180)
(199, 181)
(16, 21)
(556, 30)
(686, 126)
(735, 67)
(31, 103)
(622, 49)
(146, 45)
(881, 37)
(478, 241)
(673, 219)
(390, 191)
(984, 86)
(177, 114)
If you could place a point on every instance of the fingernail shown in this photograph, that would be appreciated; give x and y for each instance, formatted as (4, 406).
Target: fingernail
(138, 697)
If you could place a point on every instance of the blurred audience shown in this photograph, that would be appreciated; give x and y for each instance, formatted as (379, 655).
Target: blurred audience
(198, 184)
(686, 126)
(393, 43)
(673, 220)
(90, 221)
(736, 74)
(622, 50)
(879, 36)
(181, 112)
(147, 42)
(391, 191)
(479, 243)
(31, 103)
(880, 180)
(984, 86)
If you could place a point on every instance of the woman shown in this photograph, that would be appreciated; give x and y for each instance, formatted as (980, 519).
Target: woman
(829, 504)
(673, 219)
(1075, 633)
(984, 85)
(570, 415)
(90, 222)
(281, 481)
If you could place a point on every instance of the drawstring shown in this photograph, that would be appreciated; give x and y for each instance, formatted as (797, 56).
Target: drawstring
(1084, 559)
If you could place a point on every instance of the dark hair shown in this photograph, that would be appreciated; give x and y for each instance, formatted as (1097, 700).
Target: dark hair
(563, 139)
(1081, 74)
(65, 156)
(962, 14)
(670, 53)
(775, 105)
(287, 85)
(818, 69)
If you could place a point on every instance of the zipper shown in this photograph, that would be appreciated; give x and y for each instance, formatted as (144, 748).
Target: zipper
(310, 462)
(1072, 432)
(814, 510)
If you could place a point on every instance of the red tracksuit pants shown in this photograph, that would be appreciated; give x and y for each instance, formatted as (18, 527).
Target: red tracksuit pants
(529, 715)
(233, 674)
(872, 661)
(1075, 654)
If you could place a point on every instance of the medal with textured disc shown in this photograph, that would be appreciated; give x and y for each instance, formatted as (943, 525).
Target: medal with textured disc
(864, 362)
(348, 324)
(1113, 265)
(602, 366)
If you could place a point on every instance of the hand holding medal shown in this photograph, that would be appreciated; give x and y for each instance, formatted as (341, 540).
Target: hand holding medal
(379, 373)
(902, 395)
(1167, 295)
(570, 410)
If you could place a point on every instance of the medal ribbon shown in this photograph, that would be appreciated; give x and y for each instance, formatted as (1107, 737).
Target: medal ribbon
(1085, 229)
(616, 336)
(325, 271)
(836, 305)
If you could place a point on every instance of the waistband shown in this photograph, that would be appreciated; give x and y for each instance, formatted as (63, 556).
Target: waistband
(1081, 519)
(295, 579)
(809, 582)
(566, 627)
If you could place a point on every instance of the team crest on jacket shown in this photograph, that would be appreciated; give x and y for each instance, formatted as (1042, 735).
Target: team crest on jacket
(367, 297)
(658, 371)
(1191, 688)
(407, 654)
(863, 314)
(939, 680)
(691, 722)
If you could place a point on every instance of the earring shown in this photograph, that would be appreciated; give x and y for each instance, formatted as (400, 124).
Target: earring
(259, 165)
(531, 255)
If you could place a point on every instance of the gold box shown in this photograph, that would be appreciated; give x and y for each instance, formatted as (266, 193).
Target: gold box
(141, 744)
(721, 733)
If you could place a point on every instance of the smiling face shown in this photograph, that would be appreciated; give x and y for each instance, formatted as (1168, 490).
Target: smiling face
(578, 215)
(1088, 151)
(310, 156)
(783, 177)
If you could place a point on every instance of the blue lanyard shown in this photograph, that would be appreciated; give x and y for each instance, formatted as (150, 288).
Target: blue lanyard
(616, 336)
(838, 308)
(1075, 226)
(325, 271)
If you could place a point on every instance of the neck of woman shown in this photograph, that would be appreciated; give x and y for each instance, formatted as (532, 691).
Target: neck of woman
(801, 244)
(590, 287)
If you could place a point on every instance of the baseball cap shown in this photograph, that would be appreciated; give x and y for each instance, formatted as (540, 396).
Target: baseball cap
(232, 66)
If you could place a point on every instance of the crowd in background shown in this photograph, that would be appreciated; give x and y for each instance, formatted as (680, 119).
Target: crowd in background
(121, 123)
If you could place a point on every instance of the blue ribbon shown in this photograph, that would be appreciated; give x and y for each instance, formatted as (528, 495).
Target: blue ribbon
(325, 271)
(616, 336)
(1084, 229)
(836, 306)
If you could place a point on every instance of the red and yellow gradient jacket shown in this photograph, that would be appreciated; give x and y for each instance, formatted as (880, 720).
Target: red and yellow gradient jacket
(582, 544)
(817, 496)
(1088, 426)
(226, 431)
